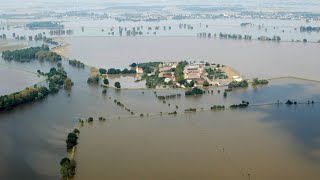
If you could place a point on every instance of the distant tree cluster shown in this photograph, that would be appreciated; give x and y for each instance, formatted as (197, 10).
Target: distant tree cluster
(194, 91)
(28, 54)
(44, 25)
(309, 29)
(168, 96)
(243, 104)
(76, 63)
(50, 41)
(118, 71)
(257, 81)
(266, 38)
(235, 84)
(58, 79)
(217, 107)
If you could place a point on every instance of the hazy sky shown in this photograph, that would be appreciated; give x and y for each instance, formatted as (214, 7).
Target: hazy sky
(265, 5)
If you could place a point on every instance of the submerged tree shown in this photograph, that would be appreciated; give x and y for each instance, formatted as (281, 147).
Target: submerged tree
(117, 85)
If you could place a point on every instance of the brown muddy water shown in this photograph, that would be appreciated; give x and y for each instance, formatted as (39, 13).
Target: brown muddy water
(204, 145)
(265, 141)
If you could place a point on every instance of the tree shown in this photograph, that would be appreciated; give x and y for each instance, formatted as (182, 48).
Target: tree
(117, 85)
(106, 81)
(104, 91)
(64, 160)
(133, 65)
(103, 71)
(206, 83)
(67, 83)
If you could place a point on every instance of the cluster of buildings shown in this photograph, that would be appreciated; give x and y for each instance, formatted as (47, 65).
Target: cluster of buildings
(196, 72)
(166, 71)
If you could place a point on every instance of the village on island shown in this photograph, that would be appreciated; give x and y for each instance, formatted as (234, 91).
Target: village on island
(183, 74)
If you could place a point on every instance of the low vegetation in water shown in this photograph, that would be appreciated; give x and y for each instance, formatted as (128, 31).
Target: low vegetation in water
(194, 91)
(50, 41)
(235, 84)
(243, 104)
(94, 77)
(190, 110)
(76, 63)
(289, 102)
(173, 113)
(257, 81)
(168, 96)
(217, 107)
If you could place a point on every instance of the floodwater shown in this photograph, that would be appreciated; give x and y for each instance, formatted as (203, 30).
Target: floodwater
(250, 58)
(288, 30)
(13, 80)
(204, 145)
(265, 141)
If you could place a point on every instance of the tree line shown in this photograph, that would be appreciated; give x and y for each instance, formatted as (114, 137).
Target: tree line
(117, 71)
(28, 54)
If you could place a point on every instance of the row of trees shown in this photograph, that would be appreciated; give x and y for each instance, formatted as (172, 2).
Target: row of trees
(68, 166)
(236, 84)
(76, 63)
(243, 104)
(234, 36)
(194, 91)
(179, 72)
(257, 81)
(117, 71)
(8, 102)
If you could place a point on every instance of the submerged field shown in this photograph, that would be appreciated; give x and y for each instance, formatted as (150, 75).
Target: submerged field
(13, 80)
(262, 141)
(265, 141)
